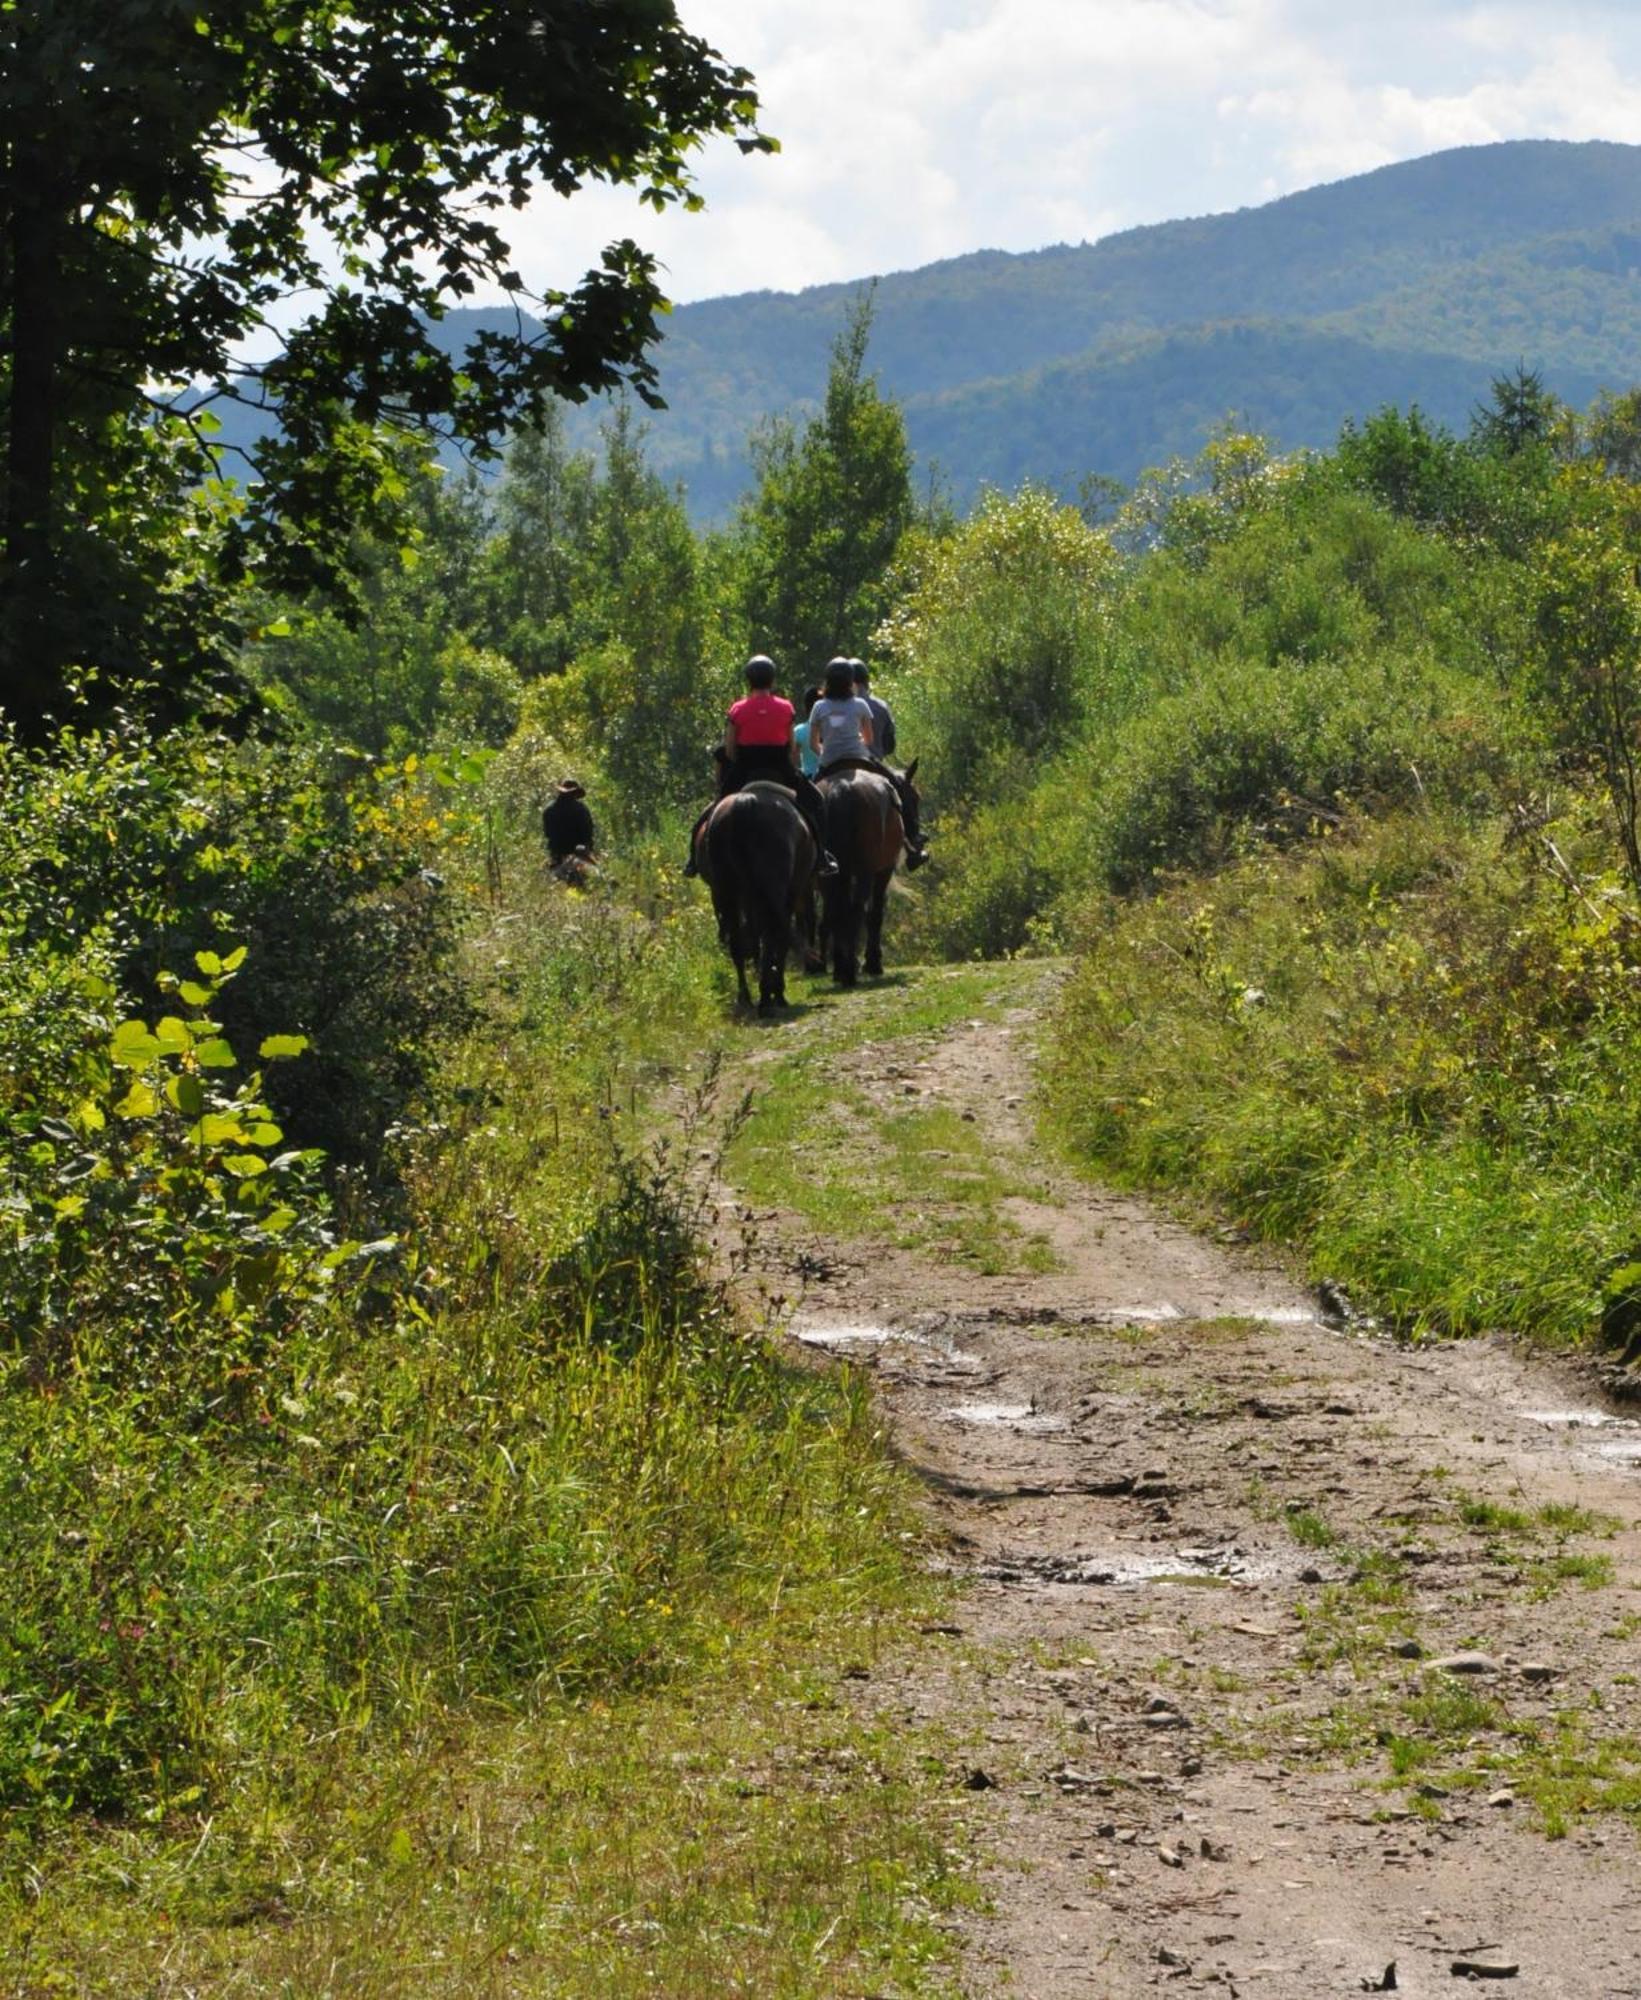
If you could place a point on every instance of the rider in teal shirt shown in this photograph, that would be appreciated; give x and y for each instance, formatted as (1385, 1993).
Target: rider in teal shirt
(808, 760)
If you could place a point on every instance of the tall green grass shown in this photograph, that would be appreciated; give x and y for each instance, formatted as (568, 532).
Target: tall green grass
(1407, 1048)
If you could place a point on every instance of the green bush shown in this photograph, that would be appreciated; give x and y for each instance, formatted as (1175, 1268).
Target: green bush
(132, 852)
(155, 1233)
(998, 644)
(1272, 751)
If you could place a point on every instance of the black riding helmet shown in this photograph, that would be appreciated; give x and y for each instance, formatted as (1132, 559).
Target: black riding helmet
(760, 671)
(840, 680)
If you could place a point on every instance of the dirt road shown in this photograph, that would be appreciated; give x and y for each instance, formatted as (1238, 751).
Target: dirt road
(1288, 1661)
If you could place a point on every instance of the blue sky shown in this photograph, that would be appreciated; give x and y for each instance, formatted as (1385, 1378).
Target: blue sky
(919, 129)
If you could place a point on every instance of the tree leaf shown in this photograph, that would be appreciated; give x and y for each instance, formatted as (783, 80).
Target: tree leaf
(173, 1035)
(133, 1047)
(186, 1094)
(275, 1046)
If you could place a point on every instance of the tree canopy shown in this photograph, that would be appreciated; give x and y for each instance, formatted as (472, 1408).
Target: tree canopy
(176, 175)
(828, 512)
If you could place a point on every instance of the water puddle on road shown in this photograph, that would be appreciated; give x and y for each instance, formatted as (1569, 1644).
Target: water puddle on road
(1621, 1445)
(1004, 1416)
(850, 1338)
(1195, 1567)
(1166, 1315)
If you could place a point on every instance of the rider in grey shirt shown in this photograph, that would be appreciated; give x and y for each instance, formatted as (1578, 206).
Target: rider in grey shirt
(840, 726)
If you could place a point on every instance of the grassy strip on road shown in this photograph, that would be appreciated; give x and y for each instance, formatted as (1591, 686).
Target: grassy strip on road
(846, 1131)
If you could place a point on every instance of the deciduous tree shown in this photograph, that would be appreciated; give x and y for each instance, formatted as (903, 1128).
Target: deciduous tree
(177, 174)
(830, 507)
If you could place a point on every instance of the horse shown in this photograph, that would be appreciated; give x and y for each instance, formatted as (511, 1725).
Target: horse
(866, 832)
(577, 870)
(758, 857)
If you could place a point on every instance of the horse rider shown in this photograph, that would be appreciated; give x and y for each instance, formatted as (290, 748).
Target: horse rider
(758, 743)
(850, 725)
(883, 723)
(808, 761)
(567, 822)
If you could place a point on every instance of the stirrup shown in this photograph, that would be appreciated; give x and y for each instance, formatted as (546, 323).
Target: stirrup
(827, 868)
(915, 858)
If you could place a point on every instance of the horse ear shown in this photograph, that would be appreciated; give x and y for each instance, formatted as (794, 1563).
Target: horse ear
(911, 769)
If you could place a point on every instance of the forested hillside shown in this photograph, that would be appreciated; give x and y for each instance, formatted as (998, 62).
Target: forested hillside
(1413, 284)
(1110, 356)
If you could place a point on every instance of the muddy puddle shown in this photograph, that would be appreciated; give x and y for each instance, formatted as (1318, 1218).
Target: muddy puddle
(1167, 1315)
(854, 1338)
(869, 1341)
(1619, 1437)
(1118, 1569)
(1003, 1416)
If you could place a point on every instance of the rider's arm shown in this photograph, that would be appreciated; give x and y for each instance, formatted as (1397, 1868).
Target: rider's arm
(731, 742)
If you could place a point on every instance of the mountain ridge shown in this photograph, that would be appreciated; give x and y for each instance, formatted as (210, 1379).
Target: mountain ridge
(1416, 282)
(1461, 263)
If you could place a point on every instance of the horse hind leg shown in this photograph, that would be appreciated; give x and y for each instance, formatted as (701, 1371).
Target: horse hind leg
(846, 937)
(741, 948)
(774, 945)
(874, 928)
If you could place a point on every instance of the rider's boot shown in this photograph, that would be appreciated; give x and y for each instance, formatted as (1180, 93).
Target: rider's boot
(813, 807)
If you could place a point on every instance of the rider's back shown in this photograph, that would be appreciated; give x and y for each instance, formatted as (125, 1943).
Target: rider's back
(841, 723)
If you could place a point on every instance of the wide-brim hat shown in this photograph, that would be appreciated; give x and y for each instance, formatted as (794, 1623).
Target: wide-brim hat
(571, 788)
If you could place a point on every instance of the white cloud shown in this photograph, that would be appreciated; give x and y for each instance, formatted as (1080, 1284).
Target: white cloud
(918, 129)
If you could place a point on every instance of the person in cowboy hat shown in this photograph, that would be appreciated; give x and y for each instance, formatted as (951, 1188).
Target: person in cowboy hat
(566, 822)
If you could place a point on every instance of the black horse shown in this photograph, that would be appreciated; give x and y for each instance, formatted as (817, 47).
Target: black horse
(759, 858)
(865, 829)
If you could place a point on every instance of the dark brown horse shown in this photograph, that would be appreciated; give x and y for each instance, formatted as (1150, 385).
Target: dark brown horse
(866, 832)
(758, 856)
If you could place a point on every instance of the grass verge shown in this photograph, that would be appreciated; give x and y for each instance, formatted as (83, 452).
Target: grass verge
(1409, 1050)
(492, 1641)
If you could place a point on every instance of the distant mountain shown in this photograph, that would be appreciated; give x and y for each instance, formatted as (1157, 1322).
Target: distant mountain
(1119, 412)
(1416, 283)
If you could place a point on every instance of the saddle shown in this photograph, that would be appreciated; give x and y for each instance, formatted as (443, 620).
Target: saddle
(771, 787)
